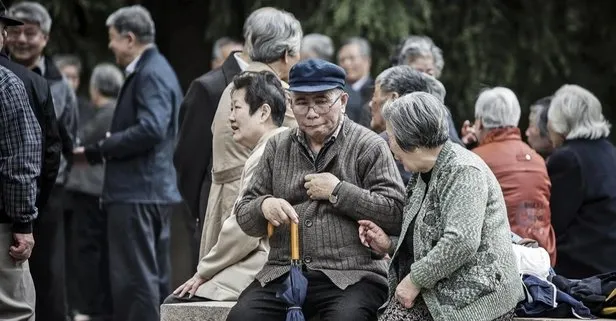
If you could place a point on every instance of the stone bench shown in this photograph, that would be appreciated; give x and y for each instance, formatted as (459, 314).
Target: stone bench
(217, 311)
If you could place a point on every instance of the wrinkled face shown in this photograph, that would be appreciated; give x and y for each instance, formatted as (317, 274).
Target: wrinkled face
(423, 64)
(410, 160)
(121, 46)
(376, 106)
(72, 75)
(246, 128)
(26, 43)
(354, 64)
(318, 114)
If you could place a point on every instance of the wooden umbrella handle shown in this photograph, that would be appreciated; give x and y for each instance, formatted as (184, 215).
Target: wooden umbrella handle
(294, 239)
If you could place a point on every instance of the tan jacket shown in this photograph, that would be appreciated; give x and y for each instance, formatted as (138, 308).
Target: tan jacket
(236, 258)
(229, 158)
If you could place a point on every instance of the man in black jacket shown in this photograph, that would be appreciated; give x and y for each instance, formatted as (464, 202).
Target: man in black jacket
(193, 153)
(41, 103)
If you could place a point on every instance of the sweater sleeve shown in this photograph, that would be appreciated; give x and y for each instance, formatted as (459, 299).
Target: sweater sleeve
(248, 209)
(567, 189)
(463, 195)
(380, 198)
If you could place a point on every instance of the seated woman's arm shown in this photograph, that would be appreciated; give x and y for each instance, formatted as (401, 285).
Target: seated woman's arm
(463, 194)
(566, 194)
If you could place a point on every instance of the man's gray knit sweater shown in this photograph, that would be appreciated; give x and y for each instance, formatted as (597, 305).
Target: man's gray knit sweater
(371, 189)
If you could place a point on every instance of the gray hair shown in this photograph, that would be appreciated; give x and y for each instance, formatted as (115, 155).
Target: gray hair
(362, 43)
(435, 87)
(417, 120)
(422, 46)
(135, 19)
(271, 33)
(107, 79)
(402, 80)
(498, 107)
(576, 113)
(321, 45)
(31, 12)
(219, 44)
(540, 110)
(67, 60)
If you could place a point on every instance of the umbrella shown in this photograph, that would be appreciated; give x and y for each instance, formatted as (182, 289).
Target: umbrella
(294, 288)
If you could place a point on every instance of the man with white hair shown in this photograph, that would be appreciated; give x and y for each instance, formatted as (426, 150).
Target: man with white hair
(26, 44)
(316, 45)
(274, 42)
(140, 190)
(520, 171)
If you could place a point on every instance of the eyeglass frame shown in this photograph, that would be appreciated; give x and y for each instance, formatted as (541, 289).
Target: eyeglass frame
(313, 107)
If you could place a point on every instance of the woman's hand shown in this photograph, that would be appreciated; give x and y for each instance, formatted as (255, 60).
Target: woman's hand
(189, 286)
(407, 292)
(372, 236)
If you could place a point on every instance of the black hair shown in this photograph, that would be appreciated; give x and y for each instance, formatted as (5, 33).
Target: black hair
(263, 88)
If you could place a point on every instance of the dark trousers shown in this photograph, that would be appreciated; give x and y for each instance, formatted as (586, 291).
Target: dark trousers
(358, 302)
(139, 262)
(47, 263)
(88, 256)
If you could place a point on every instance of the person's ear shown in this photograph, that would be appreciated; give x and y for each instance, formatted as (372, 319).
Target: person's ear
(265, 113)
(395, 95)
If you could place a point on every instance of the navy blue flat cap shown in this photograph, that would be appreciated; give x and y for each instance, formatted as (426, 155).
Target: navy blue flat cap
(315, 75)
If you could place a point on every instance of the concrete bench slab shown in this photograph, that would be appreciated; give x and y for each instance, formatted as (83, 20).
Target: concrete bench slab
(218, 311)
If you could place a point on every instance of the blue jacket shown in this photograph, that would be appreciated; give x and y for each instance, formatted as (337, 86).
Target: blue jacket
(139, 151)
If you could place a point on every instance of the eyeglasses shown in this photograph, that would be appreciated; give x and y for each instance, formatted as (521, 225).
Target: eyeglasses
(13, 32)
(321, 106)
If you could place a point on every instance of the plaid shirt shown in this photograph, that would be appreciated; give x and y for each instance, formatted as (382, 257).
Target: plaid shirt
(20, 154)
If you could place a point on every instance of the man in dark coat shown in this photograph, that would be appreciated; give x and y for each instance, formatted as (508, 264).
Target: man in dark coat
(193, 153)
(139, 191)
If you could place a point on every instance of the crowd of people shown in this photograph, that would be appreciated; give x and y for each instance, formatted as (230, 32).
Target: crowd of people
(286, 130)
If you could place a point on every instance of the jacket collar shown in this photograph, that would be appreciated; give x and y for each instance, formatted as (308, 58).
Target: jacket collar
(230, 67)
(146, 55)
(501, 134)
(51, 71)
(263, 140)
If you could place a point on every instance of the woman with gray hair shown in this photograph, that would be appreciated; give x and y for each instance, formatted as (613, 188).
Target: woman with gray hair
(582, 169)
(422, 54)
(520, 171)
(454, 259)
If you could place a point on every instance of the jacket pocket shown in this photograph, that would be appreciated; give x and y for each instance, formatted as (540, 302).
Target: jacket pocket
(467, 285)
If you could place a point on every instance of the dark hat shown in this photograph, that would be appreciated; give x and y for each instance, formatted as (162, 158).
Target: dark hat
(7, 21)
(315, 75)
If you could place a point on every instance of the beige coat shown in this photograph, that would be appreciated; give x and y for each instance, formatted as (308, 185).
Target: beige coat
(235, 259)
(229, 158)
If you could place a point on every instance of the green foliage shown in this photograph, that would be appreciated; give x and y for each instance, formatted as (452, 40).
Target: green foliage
(532, 47)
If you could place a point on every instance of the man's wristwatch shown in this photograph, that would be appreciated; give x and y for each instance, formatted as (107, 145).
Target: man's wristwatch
(333, 197)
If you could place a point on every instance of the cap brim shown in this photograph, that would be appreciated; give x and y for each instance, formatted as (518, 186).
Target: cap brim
(10, 21)
(313, 88)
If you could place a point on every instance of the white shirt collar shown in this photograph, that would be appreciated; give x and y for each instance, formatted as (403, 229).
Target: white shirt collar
(41, 65)
(360, 83)
(243, 64)
(133, 64)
